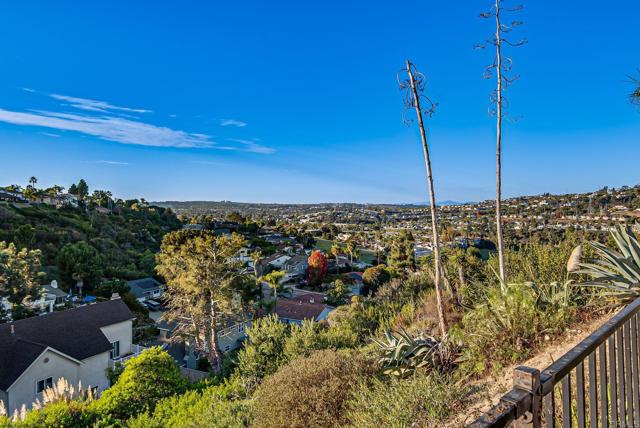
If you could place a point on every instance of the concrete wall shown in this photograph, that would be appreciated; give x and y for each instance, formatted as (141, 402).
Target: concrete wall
(93, 371)
(23, 391)
(122, 332)
(4, 397)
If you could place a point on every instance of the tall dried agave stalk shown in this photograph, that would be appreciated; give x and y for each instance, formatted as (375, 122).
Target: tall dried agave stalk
(500, 67)
(414, 88)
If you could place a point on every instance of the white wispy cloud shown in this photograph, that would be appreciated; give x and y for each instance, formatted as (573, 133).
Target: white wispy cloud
(109, 162)
(95, 105)
(250, 146)
(110, 128)
(110, 122)
(233, 122)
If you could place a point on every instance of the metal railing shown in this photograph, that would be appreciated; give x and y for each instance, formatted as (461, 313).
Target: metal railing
(595, 384)
(135, 351)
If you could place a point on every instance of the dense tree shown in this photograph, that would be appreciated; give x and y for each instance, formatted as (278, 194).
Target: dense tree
(80, 263)
(401, 255)
(317, 268)
(374, 277)
(236, 217)
(338, 293)
(200, 270)
(25, 236)
(82, 189)
(19, 275)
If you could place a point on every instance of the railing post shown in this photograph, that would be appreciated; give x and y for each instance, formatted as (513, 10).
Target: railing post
(528, 379)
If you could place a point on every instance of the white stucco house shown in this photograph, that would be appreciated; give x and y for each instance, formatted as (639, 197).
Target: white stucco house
(77, 345)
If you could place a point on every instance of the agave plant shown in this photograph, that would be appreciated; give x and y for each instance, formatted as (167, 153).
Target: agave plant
(617, 270)
(402, 354)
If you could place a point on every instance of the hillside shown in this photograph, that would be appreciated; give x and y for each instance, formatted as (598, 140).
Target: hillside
(125, 239)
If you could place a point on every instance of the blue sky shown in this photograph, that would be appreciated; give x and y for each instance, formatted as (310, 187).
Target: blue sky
(298, 101)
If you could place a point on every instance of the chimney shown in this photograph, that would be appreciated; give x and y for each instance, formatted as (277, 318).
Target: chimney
(54, 284)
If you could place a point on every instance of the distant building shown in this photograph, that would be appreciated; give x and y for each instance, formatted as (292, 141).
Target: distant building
(307, 306)
(296, 266)
(277, 261)
(146, 289)
(193, 226)
(8, 196)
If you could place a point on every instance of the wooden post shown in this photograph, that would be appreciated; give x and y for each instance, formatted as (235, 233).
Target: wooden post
(528, 379)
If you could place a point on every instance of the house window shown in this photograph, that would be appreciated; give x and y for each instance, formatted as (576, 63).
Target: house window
(43, 384)
(115, 350)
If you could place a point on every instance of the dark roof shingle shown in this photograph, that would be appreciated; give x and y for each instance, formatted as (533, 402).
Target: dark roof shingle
(74, 332)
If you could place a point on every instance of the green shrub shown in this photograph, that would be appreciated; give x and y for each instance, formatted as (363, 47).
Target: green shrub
(365, 317)
(311, 391)
(512, 322)
(214, 407)
(146, 379)
(311, 336)
(62, 414)
(419, 401)
(263, 352)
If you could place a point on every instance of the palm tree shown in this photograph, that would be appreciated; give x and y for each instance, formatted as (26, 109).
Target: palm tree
(335, 252)
(32, 181)
(256, 256)
(414, 89)
(351, 246)
(273, 280)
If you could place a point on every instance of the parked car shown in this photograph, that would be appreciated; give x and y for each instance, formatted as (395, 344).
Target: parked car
(153, 305)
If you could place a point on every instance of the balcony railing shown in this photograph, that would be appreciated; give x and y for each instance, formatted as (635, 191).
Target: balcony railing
(595, 384)
(135, 351)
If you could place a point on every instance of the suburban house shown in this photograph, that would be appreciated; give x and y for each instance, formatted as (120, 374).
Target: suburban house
(276, 260)
(77, 345)
(146, 289)
(296, 265)
(306, 306)
(51, 297)
(6, 195)
(230, 338)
